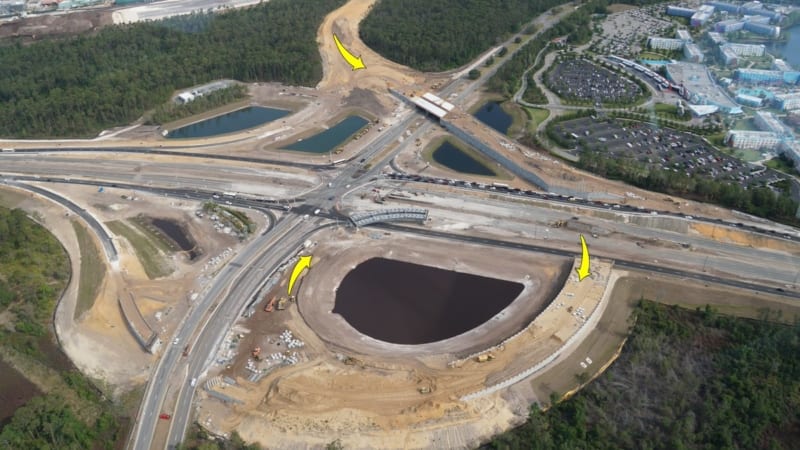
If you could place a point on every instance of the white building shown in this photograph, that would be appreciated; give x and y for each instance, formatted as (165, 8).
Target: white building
(728, 56)
(766, 121)
(779, 64)
(788, 102)
(185, 97)
(747, 49)
(716, 38)
(693, 53)
(664, 43)
(759, 140)
(683, 35)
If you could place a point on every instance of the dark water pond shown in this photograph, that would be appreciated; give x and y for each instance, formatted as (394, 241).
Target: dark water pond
(177, 234)
(331, 138)
(492, 114)
(238, 120)
(404, 303)
(456, 159)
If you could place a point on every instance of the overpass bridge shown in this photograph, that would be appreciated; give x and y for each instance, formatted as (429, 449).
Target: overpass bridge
(362, 219)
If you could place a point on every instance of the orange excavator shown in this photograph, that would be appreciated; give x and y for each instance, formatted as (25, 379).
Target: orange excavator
(270, 305)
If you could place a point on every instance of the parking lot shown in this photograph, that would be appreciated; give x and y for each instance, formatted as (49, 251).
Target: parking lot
(660, 148)
(623, 32)
(579, 79)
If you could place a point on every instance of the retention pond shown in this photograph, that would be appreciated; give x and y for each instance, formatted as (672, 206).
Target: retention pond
(492, 114)
(405, 303)
(456, 159)
(177, 234)
(238, 120)
(331, 138)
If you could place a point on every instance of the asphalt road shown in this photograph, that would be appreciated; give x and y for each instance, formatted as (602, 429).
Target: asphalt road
(108, 244)
(622, 263)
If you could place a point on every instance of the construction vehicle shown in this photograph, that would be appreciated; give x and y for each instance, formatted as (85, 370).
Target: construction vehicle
(270, 305)
(424, 390)
(484, 357)
(282, 303)
(559, 224)
(186, 351)
(256, 352)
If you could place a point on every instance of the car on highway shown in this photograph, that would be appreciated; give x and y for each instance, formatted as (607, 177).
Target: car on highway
(164, 416)
(175, 342)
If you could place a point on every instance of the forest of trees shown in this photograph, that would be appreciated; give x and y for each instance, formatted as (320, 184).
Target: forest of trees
(34, 270)
(685, 380)
(577, 28)
(444, 34)
(82, 85)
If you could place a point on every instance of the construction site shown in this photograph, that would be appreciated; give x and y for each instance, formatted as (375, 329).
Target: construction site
(296, 372)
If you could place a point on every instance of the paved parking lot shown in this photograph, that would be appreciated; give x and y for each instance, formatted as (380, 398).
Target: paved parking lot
(660, 148)
(583, 80)
(624, 31)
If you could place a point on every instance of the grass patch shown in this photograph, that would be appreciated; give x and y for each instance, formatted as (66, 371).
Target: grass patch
(10, 198)
(744, 124)
(143, 225)
(746, 154)
(148, 253)
(536, 116)
(92, 270)
(781, 165)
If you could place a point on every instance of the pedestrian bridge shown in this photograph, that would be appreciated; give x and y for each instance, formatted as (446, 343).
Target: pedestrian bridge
(362, 219)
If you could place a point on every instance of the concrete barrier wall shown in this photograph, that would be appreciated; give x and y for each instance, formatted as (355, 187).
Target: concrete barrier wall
(673, 224)
(145, 337)
(591, 321)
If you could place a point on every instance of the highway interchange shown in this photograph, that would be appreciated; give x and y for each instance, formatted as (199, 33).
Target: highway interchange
(234, 286)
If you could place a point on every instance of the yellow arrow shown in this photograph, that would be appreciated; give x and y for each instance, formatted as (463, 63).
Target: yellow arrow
(305, 261)
(356, 63)
(583, 270)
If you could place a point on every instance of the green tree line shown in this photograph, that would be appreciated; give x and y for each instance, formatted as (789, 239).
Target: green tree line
(685, 380)
(170, 111)
(79, 86)
(444, 34)
(34, 270)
